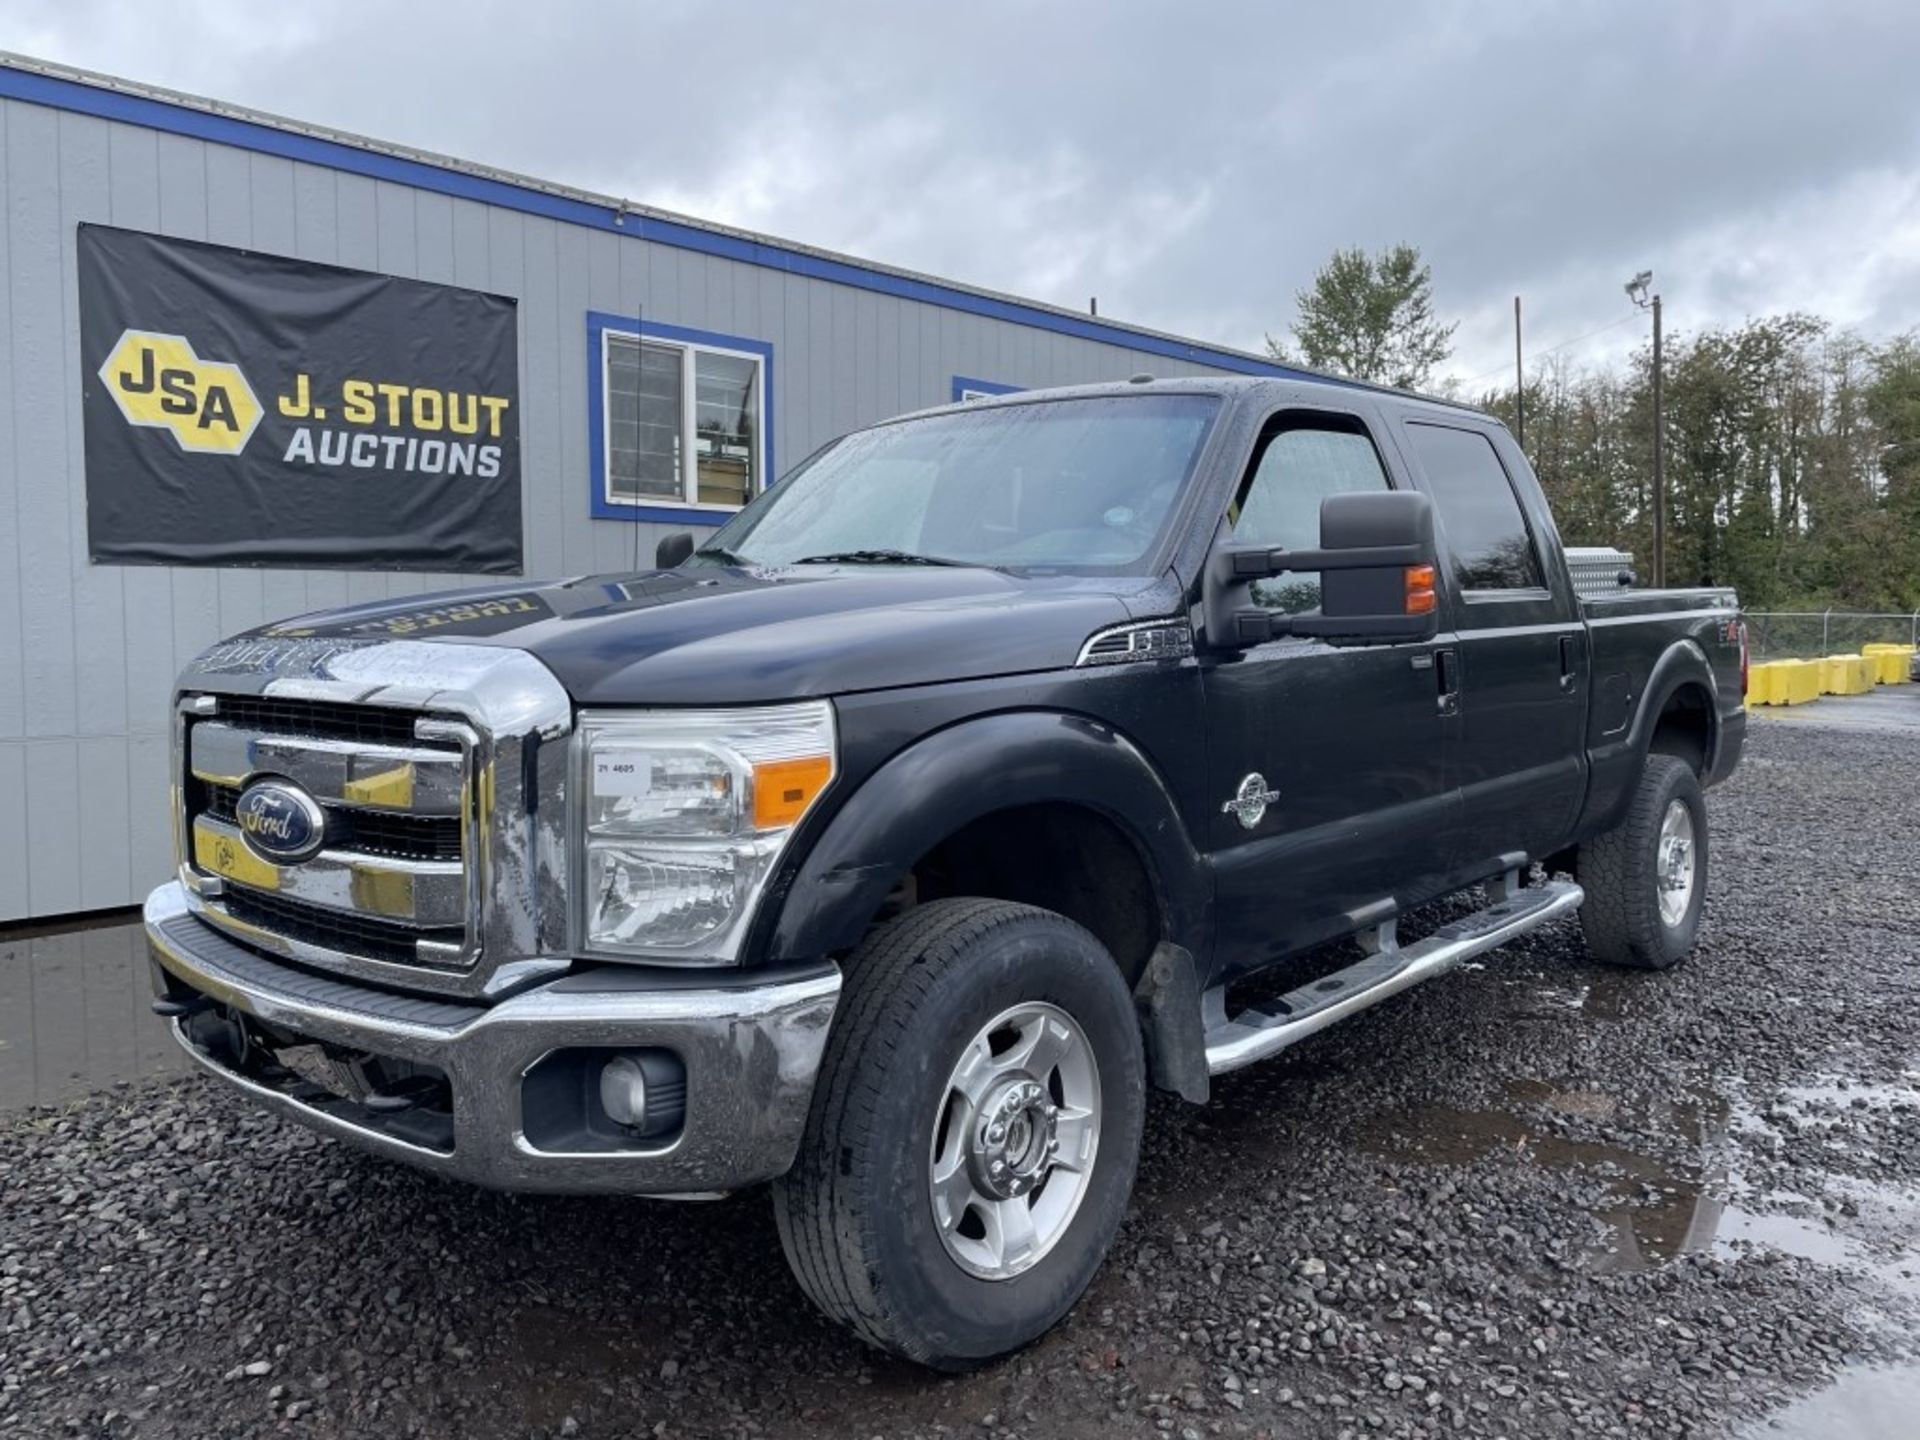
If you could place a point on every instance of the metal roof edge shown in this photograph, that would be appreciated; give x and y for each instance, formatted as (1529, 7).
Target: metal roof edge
(66, 87)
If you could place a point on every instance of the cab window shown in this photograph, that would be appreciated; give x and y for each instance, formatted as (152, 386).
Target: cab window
(1301, 460)
(1478, 511)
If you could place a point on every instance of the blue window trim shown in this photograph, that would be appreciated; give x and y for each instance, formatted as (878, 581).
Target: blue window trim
(599, 324)
(964, 383)
(172, 117)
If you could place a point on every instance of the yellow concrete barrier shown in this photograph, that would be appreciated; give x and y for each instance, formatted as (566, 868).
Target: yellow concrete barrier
(1888, 667)
(1891, 663)
(1760, 685)
(1798, 682)
(1845, 675)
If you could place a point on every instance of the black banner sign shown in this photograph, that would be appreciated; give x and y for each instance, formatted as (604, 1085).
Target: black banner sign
(246, 409)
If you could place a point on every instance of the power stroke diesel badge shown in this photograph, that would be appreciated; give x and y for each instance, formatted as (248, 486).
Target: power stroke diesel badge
(1250, 801)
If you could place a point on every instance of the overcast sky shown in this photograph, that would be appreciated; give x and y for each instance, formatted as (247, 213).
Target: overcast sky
(1190, 164)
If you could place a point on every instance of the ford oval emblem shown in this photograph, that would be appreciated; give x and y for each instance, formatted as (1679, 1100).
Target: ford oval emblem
(280, 822)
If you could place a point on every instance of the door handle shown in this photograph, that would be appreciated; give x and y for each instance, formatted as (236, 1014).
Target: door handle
(1446, 670)
(1566, 662)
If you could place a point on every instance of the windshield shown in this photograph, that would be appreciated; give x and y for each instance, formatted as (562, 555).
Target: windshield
(1083, 485)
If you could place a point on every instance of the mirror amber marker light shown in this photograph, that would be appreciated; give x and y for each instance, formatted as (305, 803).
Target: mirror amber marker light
(1420, 596)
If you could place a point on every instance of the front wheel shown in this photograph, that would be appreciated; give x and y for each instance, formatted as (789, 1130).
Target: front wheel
(1646, 879)
(974, 1132)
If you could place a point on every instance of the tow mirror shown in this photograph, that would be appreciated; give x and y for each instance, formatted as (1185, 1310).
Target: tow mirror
(1376, 563)
(668, 554)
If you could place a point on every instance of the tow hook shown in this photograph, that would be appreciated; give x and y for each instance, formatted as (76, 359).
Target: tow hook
(181, 1009)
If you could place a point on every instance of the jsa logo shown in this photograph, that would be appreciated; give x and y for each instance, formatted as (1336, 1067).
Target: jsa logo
(158, 380)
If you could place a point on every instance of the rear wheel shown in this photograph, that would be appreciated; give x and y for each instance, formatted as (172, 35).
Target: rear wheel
(974, 1132)
(1646, 879)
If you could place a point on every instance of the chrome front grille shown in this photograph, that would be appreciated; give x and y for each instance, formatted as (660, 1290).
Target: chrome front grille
(381, 940)
(365, 724)
(373, 832)
(392, 883)
(441, 773)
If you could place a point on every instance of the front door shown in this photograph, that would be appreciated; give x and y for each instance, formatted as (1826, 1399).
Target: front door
(1326, 765)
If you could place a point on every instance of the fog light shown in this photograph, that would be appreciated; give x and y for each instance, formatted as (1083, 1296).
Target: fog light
(645, 1092)
(623, 1091)
(596, 1100)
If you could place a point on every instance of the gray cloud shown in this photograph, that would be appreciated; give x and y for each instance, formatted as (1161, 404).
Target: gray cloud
(1190, 165)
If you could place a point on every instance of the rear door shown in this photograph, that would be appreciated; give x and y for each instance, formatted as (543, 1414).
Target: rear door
(1327, 766)
(1518, 756)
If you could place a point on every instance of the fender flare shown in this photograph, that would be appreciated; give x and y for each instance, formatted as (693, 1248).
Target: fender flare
(958, 775)
(1614, 768)
(1681, 663)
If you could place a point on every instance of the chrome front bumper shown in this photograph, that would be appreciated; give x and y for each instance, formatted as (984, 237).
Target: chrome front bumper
(751, 1051)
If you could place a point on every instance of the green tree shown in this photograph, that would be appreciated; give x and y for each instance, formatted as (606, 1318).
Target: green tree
(1793, 461)
(1370, 317)
(1892, 404)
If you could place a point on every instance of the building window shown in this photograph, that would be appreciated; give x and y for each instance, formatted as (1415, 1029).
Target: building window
(681, 421)
(966, 389)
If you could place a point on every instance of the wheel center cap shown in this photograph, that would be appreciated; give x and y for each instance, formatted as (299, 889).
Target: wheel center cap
(1679, 861)
(1014, 1139)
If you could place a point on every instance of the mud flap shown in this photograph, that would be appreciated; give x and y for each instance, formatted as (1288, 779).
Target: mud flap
(1167, 1000)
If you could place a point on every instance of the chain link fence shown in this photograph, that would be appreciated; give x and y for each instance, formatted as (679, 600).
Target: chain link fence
(1807, 634)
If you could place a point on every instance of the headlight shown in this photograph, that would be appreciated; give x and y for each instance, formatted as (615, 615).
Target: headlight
(685, 815)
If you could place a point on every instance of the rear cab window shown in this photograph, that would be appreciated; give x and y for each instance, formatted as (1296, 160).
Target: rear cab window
(1489, 544)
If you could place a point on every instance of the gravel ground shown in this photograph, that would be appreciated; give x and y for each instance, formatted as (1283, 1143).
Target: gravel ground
(1534, 1199)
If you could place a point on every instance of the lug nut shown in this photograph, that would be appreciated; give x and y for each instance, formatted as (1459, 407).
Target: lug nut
(997, 1134)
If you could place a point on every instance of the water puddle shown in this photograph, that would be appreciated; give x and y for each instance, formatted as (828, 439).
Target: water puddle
(1870, 1403)
(1684, 1193)
(74, 1014)
(1602, 995)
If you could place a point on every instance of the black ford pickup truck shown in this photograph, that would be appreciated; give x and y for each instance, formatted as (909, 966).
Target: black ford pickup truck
(892, 844)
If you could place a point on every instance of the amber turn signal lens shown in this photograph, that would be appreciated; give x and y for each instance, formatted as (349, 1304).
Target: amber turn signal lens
(1420, 597)
(783, 789)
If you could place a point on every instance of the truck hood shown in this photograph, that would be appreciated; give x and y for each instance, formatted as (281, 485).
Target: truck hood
(720, 635)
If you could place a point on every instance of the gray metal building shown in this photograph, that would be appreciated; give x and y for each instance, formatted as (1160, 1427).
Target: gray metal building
(816, 343)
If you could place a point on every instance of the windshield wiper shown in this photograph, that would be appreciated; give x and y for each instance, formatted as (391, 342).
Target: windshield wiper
(885, 557)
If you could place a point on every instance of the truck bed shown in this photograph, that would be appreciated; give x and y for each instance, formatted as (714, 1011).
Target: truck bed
(1625, 603)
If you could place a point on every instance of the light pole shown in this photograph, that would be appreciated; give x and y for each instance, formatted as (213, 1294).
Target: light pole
(1637, 291)
(1519, 381)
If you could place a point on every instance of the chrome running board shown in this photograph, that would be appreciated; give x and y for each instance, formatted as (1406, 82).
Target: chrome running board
(1385, 970)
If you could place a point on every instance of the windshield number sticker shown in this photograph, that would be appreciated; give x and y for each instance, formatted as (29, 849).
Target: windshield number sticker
(622, 777)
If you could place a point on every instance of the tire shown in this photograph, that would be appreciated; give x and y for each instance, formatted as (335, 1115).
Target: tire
(856, 1214)
(1621, 871)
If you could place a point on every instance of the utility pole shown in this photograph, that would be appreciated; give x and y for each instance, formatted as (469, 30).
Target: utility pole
(1640, 291)
(1519, 381)
(1659, 463)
